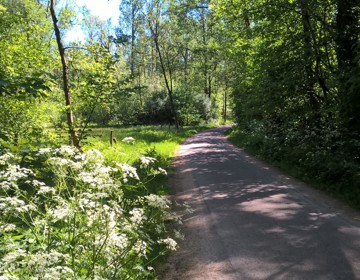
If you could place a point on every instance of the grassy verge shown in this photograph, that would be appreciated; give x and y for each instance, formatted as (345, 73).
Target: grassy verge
(159, 142)
(162, 139)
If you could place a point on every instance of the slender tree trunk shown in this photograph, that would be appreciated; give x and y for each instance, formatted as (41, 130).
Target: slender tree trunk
(66, 87)
(225, 107)
(309, 83)
(207, 87)
(168, 80)
(133, 34)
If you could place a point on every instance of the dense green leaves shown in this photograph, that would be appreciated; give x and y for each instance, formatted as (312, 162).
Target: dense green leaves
(294, 89)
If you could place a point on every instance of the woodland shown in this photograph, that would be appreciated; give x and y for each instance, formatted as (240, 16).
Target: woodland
(287, 72)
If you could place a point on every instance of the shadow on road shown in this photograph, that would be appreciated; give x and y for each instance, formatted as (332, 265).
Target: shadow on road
(249, 222)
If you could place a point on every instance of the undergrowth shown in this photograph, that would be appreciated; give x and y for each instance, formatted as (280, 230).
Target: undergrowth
(320, 158)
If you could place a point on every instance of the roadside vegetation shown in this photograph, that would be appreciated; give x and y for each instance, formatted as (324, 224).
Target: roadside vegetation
(97, 214)
(319, 160)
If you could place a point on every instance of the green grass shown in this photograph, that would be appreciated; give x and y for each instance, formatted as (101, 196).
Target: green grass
(159, 140)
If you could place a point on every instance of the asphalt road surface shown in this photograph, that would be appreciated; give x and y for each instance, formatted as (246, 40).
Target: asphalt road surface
(251, 222)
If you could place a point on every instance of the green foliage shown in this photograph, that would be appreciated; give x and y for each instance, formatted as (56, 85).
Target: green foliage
(23, 123)
(24, 41)
(289, 98)
(66, 215)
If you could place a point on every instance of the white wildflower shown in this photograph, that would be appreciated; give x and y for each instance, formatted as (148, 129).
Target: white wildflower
(94, 156)
(15, 172)
(44, 151)
(61, 212)
(37, 183)
(128, 171)
(118, 240)
(88, 177)
(163, 171)
(8, 277)
(128, 140)
(66, 151)
(57, 272)
(45, 190)
(137, 215)
(140, 248)
(39, 222)
(98, 178)
(12, 257)
(169, 242)
(43, 260)
(6, 157)
(8, 227)
(80, 157)
(8, 204)
(76, 165)
(150, 268)
(100, 195)
(146, 161)
(157, 201)
(5, 185)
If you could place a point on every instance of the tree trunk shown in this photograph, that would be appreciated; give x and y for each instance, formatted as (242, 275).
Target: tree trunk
(168, 80)
(309, 83)
(66, 87)
(347, 25)
(225, 107)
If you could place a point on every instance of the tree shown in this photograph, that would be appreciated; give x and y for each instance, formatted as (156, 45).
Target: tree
(65, 70)
(155, 22)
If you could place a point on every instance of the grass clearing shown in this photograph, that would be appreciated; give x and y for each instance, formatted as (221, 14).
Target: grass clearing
(159, 139)
(159, 142)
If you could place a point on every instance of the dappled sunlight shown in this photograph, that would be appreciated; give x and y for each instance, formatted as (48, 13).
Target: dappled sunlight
(195, 148)
(251, 222)
(276, 206)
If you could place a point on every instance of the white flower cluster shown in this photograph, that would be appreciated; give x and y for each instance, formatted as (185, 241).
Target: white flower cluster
(128, 140)
(53, 230)
(137, 216)
(146, 161)
(46, 265)
(158, 201)
(9, 205)
(170, 243)
(128, 171)
(5, 158)
(163, 171)
(10, 176)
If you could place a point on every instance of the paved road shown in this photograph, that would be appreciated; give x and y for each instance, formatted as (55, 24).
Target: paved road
(252, 222)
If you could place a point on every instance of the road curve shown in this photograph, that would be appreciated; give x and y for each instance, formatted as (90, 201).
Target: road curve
(251, 222)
